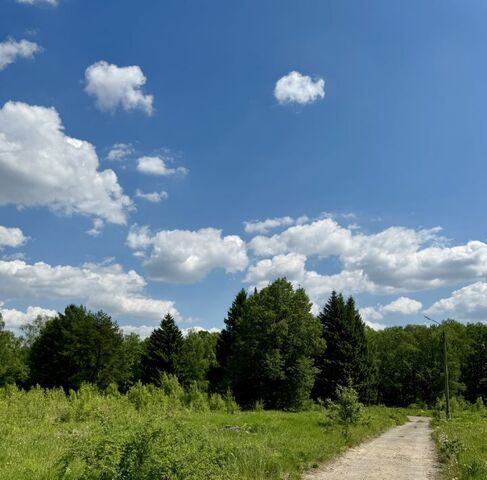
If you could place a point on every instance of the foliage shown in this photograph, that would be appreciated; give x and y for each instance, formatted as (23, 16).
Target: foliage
(461, 443)
(276, 340)
(162, 351)
(76, 346)
(13, 368)
(88, 434)
(345, 361)
(196, 358)
(219, 374)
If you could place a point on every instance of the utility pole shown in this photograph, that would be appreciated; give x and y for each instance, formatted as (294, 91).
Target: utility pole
(445, 366)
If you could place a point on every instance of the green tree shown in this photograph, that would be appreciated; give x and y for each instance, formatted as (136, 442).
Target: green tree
(130, 361)
(345, 362)
(13, 368)
(162, 351)
(411, 362)
(196, 358)
(219, 374)
(75, 347)
(30, 331)
(276, 340)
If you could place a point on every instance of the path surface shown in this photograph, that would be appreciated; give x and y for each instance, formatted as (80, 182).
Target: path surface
(402, 453)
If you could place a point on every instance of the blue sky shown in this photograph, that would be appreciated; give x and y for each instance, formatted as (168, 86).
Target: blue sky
(376, 140)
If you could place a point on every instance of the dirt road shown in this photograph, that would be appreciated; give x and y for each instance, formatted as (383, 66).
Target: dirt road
(402, 453)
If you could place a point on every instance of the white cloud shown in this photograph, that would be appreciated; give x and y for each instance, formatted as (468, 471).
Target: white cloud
(14, 319)
(323, 237)
(154, 197)
(466, 304)
(97, 228)
(263, 226)
(403, 306)
(114, 87)
(41, 166)
(11, 50)
(317, 286)
(119, 151)
(51, 3)
(396, 259)
(400, 306)
(11, 237)
(157, 166)
(184, 256)
(297, 88)
(103, 286)
(143, 331)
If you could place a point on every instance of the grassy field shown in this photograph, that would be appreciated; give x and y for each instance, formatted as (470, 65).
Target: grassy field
(462, 444)
(155, 434)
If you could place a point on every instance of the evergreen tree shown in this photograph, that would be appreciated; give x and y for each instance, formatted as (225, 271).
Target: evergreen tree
(276, 338)
(219, 374)
(162, 351)
(345, 360)
(76, 346)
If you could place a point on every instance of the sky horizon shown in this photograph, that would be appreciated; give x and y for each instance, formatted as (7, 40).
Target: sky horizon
(160, 157)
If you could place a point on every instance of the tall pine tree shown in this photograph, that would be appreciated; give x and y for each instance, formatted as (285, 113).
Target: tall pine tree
(162, 351)
(345, 360)
(219, 375)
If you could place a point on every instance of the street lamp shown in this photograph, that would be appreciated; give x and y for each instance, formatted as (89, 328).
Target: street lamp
(445, 365)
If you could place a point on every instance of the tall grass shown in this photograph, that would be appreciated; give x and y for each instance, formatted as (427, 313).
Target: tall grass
(462, 442)
(167, 434)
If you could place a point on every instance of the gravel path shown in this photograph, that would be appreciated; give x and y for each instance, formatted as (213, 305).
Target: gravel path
(402, 453)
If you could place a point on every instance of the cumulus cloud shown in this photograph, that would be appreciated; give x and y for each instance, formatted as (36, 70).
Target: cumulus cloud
(41, 166)
(114, 87)
(11, 237)
(297, 88)
(14, 319)
(323, 237)
(184, 256)
(466, 304)
(11, 50)
(293, 267)
(153, 197)
(119, 151)
(263, 226)
(403, 306)
(396, 259)
(100, 286)
(400, 306)
(51, 3)
(157, 166)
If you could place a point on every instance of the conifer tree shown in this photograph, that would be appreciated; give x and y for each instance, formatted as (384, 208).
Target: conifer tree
(345, 360)
(219, 375)
(162, 351)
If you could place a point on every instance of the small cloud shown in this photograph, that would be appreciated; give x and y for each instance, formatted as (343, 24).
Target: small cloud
(263, 226)
(119, 151)
(39, 3)
(11, 50)
(154, 197)
(113, 86)
(97, 228)
(12, 237)
(157, 166)
(297, 88)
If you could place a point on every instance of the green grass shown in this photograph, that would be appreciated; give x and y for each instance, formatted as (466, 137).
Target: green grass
(154, 435)
(462, 444)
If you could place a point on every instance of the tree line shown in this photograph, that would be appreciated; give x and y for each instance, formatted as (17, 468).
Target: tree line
(272, 350)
